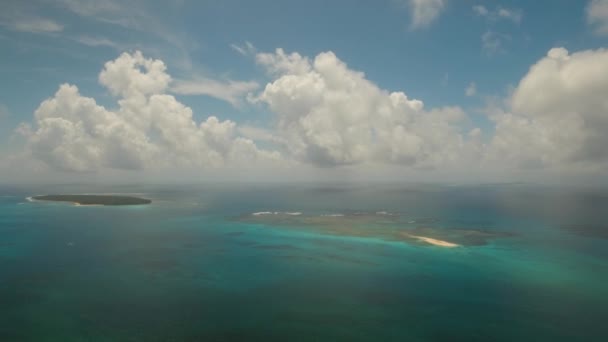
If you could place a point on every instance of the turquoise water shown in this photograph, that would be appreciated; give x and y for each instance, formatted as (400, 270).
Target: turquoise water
(185, 268)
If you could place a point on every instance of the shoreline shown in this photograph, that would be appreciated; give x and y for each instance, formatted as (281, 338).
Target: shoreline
(75, 204)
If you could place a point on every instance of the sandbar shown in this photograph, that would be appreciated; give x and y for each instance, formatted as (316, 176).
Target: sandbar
(435, 242)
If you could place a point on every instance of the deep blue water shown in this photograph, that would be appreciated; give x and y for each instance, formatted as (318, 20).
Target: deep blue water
(186, 269)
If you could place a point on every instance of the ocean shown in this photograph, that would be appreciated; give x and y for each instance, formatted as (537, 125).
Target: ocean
(317, 262)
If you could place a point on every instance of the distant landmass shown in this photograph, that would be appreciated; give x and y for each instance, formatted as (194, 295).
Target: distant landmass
(94, 199)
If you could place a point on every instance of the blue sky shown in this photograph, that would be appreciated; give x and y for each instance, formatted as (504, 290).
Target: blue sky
(371, 36)
(432, 56)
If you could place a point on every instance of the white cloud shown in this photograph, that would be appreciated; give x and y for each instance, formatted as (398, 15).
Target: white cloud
(238, 49)
(230, 91)
(510, 14)
(95, 41)
(424, 12)
(140, 18)
(493, 42)
(471, 89)
(331, 115)
(597, 15)
(109, 11)
(279, 62)
(149, 129)
(326, 115)
(90, 7)
(513, 15)
(558, 113)
(31, 24)
(132, 75)
(245, 50)
(133, 15)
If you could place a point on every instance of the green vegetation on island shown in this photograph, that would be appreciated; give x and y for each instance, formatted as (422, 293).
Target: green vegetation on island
(94, 199)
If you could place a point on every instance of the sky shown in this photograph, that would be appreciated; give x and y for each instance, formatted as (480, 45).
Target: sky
(399, 90)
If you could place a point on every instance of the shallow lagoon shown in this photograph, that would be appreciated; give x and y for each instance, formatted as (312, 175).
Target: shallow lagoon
(195, 265)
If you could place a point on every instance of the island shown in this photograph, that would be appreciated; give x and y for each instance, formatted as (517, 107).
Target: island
(423, 231)
(93, 199)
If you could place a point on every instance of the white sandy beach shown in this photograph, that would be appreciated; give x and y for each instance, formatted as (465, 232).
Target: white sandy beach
(435, 242)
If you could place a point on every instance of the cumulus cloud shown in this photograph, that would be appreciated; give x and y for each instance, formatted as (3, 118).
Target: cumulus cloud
(558, 113)
(424, 12)
(149, 129)
(326, 115)
(132, 75)
(279, 62)
(597, 15)
(331, 115)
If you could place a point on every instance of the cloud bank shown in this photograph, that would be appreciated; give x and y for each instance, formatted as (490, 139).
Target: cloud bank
(327, 115)
(149, 128)
(331, 115)
(559, 113)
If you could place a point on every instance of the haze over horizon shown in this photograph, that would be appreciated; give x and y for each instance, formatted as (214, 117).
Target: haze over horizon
(399, 90)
